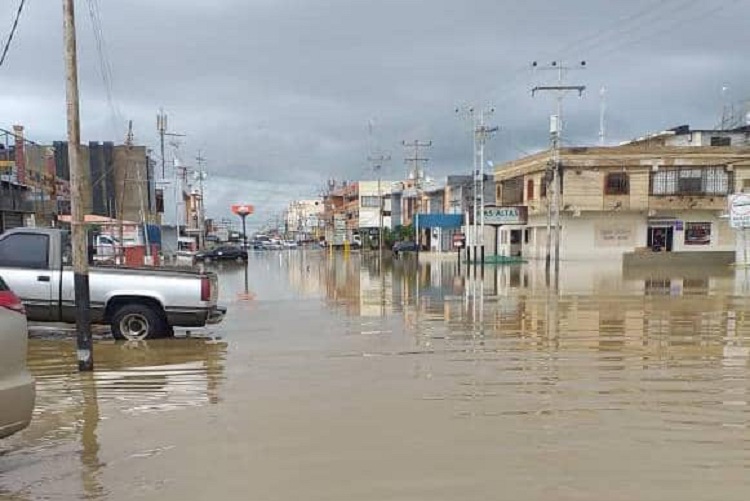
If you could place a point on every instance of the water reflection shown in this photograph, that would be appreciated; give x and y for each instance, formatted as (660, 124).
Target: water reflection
(386, 375)
(671, 337)
(596, 307)
(130, 379)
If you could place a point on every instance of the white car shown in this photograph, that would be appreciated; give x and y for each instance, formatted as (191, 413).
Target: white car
(17, 391)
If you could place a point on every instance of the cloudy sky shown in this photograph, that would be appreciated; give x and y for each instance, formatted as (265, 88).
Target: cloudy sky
(280, 95)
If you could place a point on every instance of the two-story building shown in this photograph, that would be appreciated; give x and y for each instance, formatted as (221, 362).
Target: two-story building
(655, 194)
(302, 220)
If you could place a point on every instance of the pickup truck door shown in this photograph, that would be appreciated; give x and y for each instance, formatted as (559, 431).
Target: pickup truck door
(24, 266)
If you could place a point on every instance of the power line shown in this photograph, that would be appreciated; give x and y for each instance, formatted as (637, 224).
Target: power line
(600, 39)
(105, 66)
(666, 29)
(622, 25)
(12, 32)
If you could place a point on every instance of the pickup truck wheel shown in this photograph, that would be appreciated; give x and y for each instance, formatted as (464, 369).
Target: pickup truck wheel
(136, 322)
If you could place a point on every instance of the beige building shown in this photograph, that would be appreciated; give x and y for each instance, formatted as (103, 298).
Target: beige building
(303, 220)
(652, 194)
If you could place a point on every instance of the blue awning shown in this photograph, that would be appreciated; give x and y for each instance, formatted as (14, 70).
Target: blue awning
(440, 220)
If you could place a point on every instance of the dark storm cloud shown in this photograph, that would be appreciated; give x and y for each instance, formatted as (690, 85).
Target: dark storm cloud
(280, 92)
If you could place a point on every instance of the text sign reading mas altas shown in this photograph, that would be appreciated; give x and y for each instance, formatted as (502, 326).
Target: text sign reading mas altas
(499, 216)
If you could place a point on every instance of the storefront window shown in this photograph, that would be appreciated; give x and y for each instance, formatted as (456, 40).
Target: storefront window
(697, 233)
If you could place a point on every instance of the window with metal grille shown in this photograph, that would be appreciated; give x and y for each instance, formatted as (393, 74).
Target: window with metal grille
(368, 201)
(714, 180)
(697, 233)
(617, 183)
(512, 191)
(721, 141)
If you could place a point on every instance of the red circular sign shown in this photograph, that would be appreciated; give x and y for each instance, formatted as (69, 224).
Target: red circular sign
(243, 209)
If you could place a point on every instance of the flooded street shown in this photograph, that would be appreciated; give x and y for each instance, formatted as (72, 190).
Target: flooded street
(329, 380)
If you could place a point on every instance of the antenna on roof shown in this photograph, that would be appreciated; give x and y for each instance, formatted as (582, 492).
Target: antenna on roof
(602, 115)
(727, 110)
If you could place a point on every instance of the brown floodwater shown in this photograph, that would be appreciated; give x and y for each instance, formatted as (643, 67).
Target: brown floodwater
(331, 380)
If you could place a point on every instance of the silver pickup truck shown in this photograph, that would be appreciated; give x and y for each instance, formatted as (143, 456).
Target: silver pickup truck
(136, 303)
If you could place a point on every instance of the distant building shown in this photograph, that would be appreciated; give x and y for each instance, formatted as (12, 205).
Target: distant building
(683, 135)
(15, 208)
(354, 208)
(453, 196)
(302, 220)
(664, 193)
(372, 198)
(118, 179)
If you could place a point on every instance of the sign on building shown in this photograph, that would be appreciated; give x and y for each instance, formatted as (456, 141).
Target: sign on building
(739, 210)
(500, 216)
(339, 229)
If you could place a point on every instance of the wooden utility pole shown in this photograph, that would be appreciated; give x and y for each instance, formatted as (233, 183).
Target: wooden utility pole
(78, 229)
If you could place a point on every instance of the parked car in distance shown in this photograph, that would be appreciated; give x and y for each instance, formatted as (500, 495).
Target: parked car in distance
(222, 253)
(404, 246)
(17, 392)
(272, 244)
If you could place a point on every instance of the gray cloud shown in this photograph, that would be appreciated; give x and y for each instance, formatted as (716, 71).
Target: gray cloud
(278, 93)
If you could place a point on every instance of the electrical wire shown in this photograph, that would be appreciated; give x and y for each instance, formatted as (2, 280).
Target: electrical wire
(12, 32)
(644, 17)
(105, 65)
(622, 25)
(668, 28)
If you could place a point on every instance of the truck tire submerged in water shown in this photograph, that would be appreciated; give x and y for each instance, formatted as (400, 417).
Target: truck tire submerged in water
(134, 322)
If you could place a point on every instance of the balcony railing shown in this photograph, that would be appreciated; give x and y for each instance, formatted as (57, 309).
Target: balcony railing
(691, 181)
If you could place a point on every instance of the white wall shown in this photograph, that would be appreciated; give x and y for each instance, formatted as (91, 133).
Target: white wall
(604, 236)
(370, 218)
(722, 237)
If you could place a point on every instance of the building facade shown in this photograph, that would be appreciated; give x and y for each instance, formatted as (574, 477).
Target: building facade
(118, 181)
(648, 195)
(303, 220)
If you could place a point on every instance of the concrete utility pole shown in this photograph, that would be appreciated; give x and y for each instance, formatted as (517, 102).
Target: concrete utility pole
(556, 129)
(201, 210)
(84, 342)
(481, 132)
(417, 174)
(162, 127)
(377, 166)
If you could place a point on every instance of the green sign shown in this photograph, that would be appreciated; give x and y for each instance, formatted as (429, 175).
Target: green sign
(499, 216)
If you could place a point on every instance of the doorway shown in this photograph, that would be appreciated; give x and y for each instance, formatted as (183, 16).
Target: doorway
(660, 238)
(516, 239)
